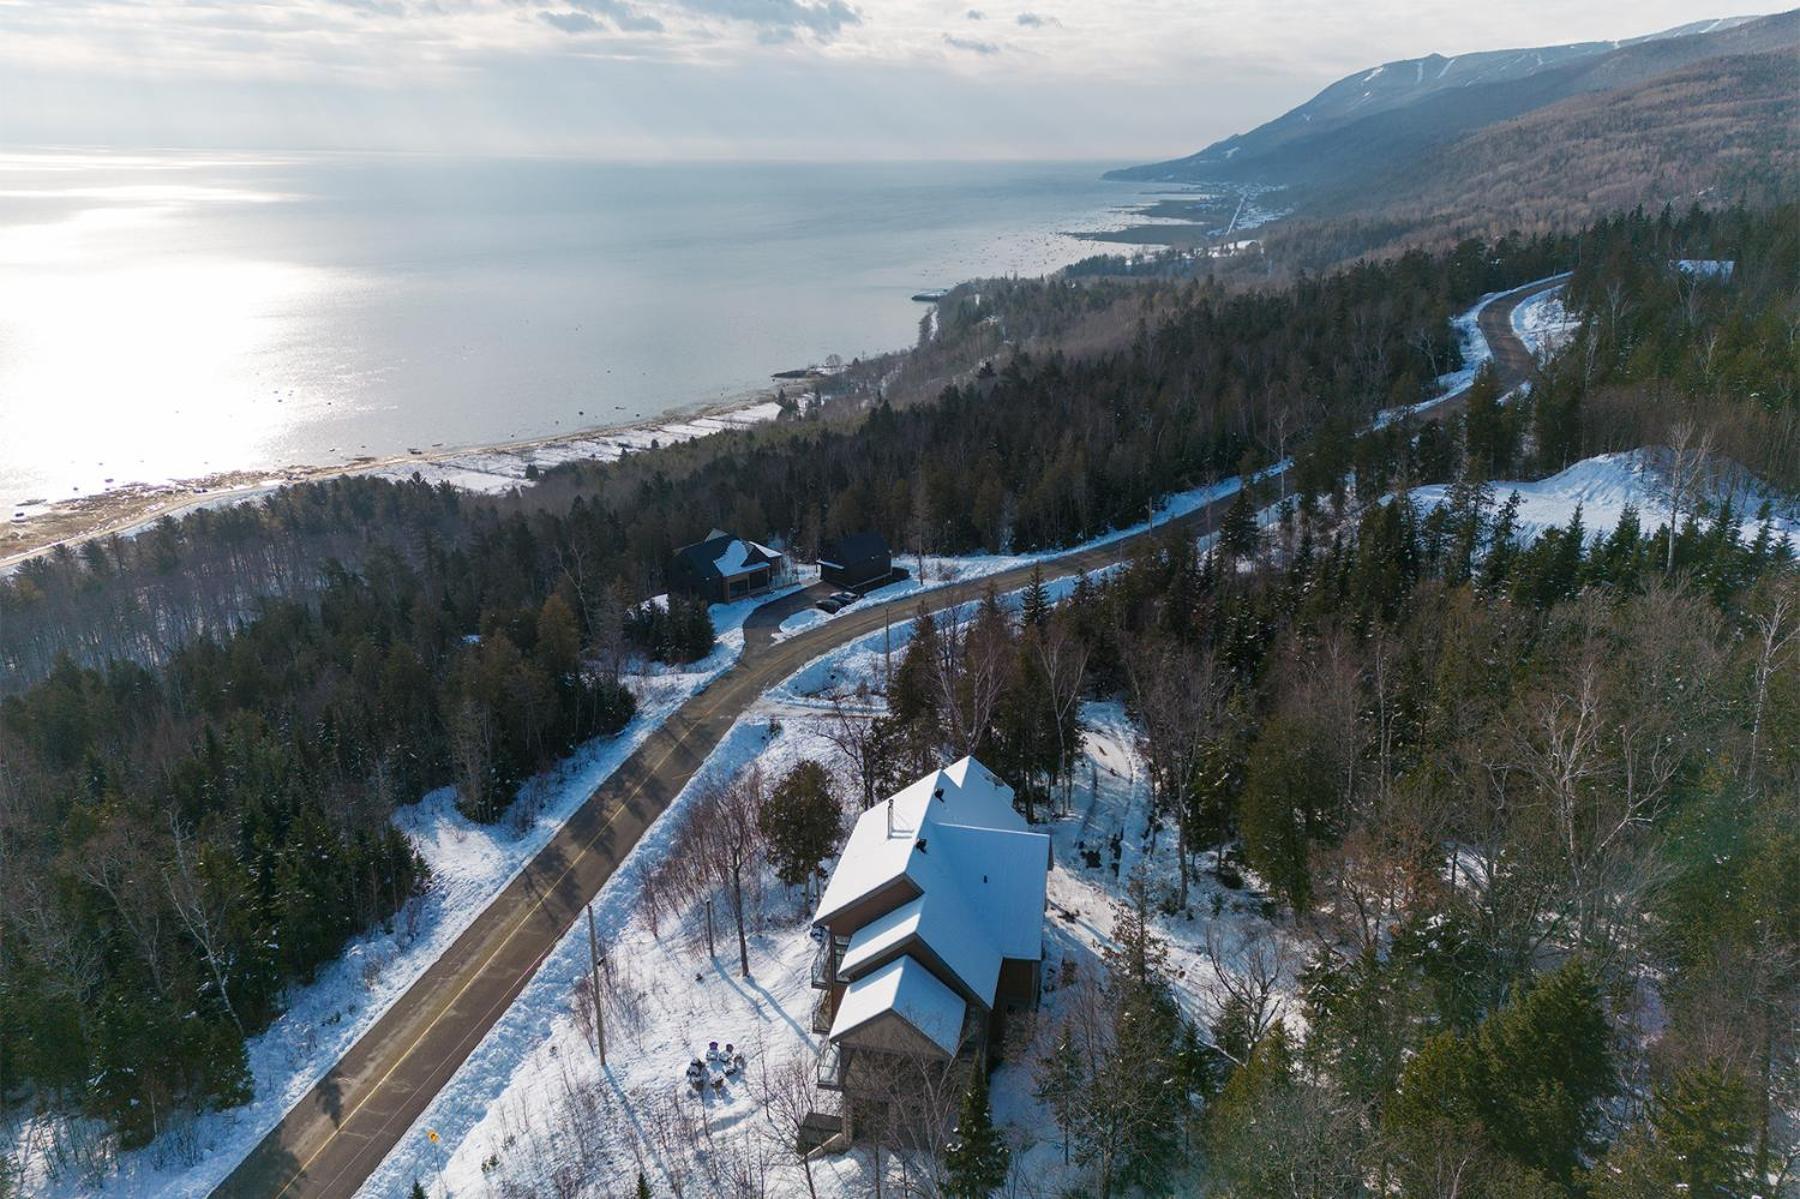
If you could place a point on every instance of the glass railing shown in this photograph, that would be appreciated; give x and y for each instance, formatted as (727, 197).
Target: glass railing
(831, 1068)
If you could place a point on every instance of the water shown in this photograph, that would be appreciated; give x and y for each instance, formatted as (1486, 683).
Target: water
(170, 316)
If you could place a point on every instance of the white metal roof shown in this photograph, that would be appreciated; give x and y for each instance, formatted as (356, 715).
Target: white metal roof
(910, 991)
(942, 921)
(976, 872)
(1001, 877)
(883, 841)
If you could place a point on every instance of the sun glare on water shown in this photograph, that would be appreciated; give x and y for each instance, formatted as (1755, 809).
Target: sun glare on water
(130, 350)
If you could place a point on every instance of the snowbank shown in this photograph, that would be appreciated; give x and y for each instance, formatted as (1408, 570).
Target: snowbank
(1605, 485)
(1476, 353)
(500, 469)
(1544, 324)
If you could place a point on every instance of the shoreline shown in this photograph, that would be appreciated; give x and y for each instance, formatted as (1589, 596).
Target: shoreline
(483, 468)
(491, 468)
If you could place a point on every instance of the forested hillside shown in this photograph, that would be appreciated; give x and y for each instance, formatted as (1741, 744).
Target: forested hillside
(213, 722)
(1532, 141)
(1527, 812)
(1369, 123)
(1725, 129)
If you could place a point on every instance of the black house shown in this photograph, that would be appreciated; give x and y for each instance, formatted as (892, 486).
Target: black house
(723, 568)
(856, 560)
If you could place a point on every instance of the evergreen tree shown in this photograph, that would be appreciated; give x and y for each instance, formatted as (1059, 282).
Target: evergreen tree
(1253, 1089)
(1502, 550)
(1465, 510)
(912, 696)
(1530, 1076)
(1034, 610)
(1289, 792)
(643, 1186)
(1132, 1109)
(1696, 1142)
(799, 821)
(976, 1160)
(1239, 536)
(1487, 427)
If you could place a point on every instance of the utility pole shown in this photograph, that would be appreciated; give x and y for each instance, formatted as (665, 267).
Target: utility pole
(710, 951)
(594, 965)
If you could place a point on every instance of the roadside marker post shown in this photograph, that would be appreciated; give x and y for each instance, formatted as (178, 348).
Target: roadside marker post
(594, 965)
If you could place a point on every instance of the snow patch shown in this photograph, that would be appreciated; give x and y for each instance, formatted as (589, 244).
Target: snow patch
(1545, 324)
(1605, 485)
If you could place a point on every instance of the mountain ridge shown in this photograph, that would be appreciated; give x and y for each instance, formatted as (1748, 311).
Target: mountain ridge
(1380, 111)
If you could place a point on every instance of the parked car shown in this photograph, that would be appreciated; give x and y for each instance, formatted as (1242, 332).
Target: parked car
(829, 604)
(845, 598)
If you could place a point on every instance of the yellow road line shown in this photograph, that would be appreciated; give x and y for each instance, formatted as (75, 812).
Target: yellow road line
(512, 930)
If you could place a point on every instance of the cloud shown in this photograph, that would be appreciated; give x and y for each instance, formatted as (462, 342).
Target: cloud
(782, 18)
(569, 22)
(384, 8)
(588, 14)
(1031, 20)
(970, 44)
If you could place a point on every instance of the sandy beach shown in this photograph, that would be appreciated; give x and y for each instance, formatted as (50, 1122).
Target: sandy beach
(489, 469)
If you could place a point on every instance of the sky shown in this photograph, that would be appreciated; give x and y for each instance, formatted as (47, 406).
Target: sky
(1101, 80)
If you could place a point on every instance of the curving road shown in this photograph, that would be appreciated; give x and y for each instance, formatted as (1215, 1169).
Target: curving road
(343, 1128)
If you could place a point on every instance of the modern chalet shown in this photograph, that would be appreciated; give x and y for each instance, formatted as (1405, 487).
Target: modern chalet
(856, 560)
(931, 933)
(723, 568)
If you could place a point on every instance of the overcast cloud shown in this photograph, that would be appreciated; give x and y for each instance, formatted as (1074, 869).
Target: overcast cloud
(1099, 79)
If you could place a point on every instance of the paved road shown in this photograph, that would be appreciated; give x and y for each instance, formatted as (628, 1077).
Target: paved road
(337, 1135)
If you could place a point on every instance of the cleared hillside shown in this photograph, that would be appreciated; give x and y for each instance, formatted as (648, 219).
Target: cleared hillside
(1716, 132)
(1327, 145)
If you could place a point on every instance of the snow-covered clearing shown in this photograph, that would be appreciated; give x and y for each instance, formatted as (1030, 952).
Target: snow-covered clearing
(1604, 486)
(1544, 324)
(470, 863)
(532, 1111)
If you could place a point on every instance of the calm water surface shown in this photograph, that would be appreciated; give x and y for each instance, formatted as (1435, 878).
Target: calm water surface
(171, 315)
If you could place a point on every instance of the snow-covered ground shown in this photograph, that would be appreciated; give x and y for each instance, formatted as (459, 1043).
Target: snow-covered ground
(470, 864)
(533, 1112)
(502, 469)
(1475, 353)
(1544, 324)
(1603, 486)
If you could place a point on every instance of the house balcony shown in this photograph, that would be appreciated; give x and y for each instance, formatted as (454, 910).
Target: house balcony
(832, 1067)
(824, 1011)
(824, 963)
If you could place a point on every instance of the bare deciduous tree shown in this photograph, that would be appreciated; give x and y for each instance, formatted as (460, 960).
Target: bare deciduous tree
(1684, 483)
(1063, 659)
(203, 911)
(1179, 696)
(1253, 965)
(790, 1093)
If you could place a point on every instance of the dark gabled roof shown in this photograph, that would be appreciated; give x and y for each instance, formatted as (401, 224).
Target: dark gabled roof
(703, 558)
(854, 547)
